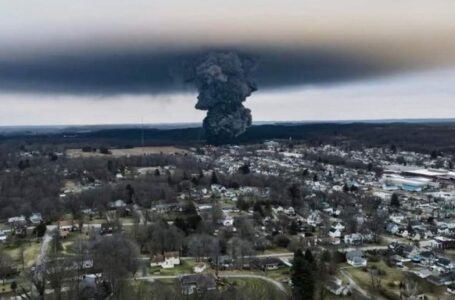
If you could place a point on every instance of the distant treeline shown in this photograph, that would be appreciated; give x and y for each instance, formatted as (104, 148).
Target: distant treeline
(415, 137)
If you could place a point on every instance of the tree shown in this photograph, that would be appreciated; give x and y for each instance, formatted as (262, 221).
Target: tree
(217, 213)
(242, 249)
(105, 150)
(244, 169)
(40, 229)
(395, 201)
(214, 179)
(23, 164)
(117, 257)
(305, 173)
(57, 269)
(14, 288)
(401, 160)
(375, 225)
(302, 275)
(393, 148)
(376, 282)
(281, 240)
(129, 193)
(295, 194)
(409, 289)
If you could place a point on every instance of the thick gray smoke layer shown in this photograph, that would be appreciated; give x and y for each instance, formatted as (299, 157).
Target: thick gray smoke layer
(223, 81)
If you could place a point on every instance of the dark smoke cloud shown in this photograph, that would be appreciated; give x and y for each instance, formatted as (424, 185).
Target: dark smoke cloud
(144, 72)
(223, 80)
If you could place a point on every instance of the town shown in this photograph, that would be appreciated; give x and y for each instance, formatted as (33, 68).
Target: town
(260, 221)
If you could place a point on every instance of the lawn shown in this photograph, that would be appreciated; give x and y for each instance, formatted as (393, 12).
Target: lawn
(185, 267)
(96, 220)
(390, 280)
(70, 239)
(281, 274)
(253, 288)
(275, 250)
(31, 251)
(5, 288)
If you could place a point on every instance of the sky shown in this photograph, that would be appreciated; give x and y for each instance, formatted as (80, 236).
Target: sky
(108, 62)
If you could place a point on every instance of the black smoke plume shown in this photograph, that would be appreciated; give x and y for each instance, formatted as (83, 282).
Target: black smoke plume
(224, 81)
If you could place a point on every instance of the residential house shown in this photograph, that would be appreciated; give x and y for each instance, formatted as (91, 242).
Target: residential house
(314, 219)
(35, 218)
(197, 283)
(199, 267)
(268, 263)
(171, 259)
(168, 260)
(445, 263)
(66, 226)
(353, 239)
(3, 236)
(355, 258)
(334, 233)
(338, 225)
(392, 228)
(336, 287)
(18, 221)
(427, 257)
(451, 289)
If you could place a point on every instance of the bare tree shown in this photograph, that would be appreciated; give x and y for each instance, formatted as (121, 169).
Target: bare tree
(117, 257)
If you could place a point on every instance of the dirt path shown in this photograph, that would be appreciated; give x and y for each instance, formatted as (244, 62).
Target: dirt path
(354, 284)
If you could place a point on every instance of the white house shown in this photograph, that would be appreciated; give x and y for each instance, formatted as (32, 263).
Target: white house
(227, 220)
(355, 238)
(314, 219)
(3, 236)
(334, 233)
(200, 267)
(167, 261)
(336, 287)
(171, 259)
(36, 218)
(338, 225)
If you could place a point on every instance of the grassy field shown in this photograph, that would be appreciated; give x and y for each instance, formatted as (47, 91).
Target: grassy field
(282, 274)
(31, 251)
(68, 242)
(255, 289)
(185, 267)
(136, 151)
(275, 250)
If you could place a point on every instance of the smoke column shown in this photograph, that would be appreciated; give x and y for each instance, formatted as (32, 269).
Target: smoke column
(223, 81)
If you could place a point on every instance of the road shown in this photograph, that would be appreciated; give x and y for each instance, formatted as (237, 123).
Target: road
(279, 255)
(45, 242)
(363, 248)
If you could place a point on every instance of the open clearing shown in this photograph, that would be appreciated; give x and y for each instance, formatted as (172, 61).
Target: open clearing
(136, 151)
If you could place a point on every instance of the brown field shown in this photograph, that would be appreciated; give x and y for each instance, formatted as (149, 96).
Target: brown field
(75, 153)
